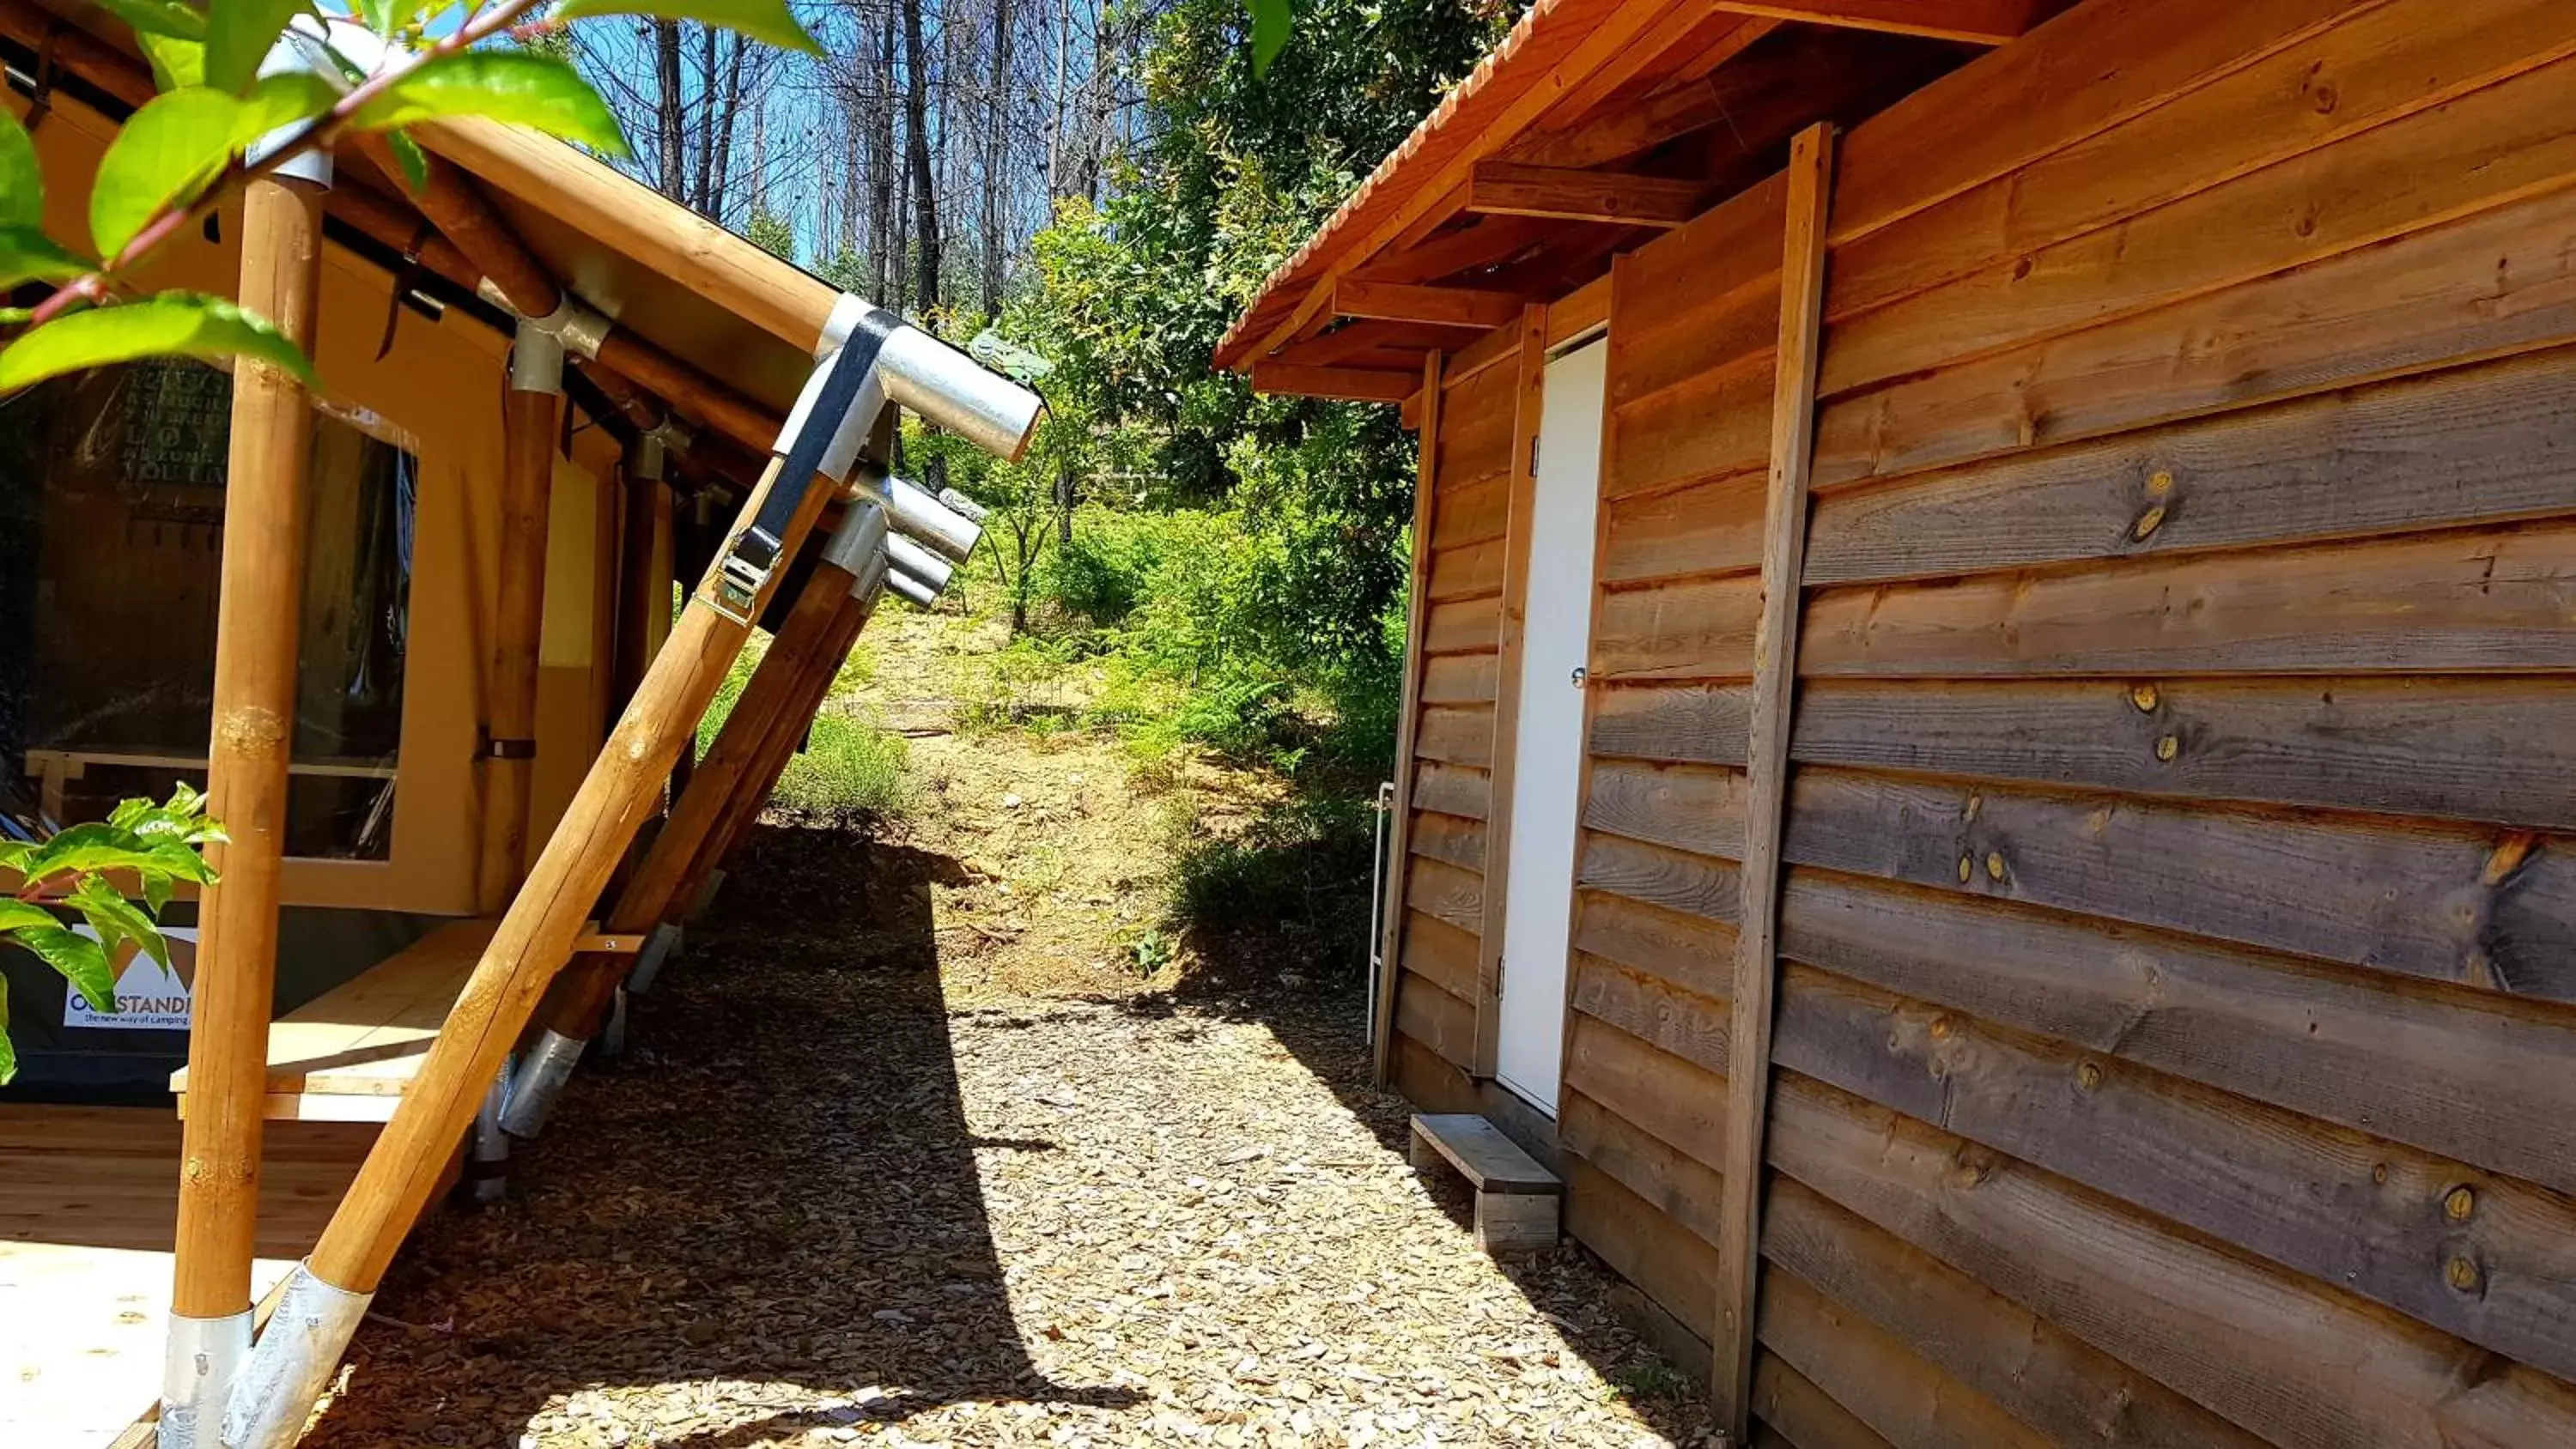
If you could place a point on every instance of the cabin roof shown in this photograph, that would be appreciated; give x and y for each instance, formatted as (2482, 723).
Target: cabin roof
(1592, 127)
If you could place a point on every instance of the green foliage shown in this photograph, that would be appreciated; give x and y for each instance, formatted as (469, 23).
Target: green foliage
(181, 140)
(239, 35)
(772, 233)
(186, 324)
(516, 87)
(851, 770)
(767, 21)
(156, 845)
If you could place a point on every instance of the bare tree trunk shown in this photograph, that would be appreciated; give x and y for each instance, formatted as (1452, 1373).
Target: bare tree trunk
(854, 146)
(997, 158)
(884, 247)
(723, 125)
(707, 133)
(925, 181)
(760, 152)
(668, 130)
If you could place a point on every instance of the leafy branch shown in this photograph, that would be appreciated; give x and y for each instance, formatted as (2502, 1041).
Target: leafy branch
(185, 153)
(158, 845)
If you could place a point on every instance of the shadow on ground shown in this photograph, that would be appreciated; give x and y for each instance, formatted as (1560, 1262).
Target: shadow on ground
(776, 1184)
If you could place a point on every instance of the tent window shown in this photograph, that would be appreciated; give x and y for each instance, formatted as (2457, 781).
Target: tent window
(111, 544)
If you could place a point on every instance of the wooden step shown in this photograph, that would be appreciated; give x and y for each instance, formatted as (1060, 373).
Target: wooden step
(1517, 1200)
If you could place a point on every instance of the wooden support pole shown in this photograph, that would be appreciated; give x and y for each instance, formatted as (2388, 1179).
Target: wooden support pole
(744, 806)
(537, 934)
(529, 417)
(1408, 725)
(260, 608)
(581, 1005)
(1775, 674)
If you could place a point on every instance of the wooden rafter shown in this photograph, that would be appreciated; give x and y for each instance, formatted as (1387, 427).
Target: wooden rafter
(1449, 306)
(1489, 241)
(1980, 22)
(1513, 188)
(1359, 339)
(1348, 383)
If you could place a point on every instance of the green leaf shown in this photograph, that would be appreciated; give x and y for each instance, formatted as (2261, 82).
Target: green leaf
(28, 255)
(239, 35)
(22, 181)
(8, 1052)
(159, 17)
(117, 919)
(762, 20)
(17, 915)
(181, 862)
(282, 100)
(166, 154)
(176, 63)
(413, 160)
(94, 846)
(82, 961)
(185, 324)
(156, 890)
(1269, 32)
(502, 85)
(384, 17)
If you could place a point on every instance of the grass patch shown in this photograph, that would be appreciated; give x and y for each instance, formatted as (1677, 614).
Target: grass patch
(852, 771)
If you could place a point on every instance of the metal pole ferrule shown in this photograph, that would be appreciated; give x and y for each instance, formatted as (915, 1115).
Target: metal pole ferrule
(540, 1081)
(287, 1371)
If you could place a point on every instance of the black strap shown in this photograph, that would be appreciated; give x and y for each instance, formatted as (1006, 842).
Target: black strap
(40, 101)
(404, 281)
(748, 563)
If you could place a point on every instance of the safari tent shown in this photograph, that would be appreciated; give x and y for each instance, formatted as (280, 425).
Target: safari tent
(1985, 766)
(548, 399)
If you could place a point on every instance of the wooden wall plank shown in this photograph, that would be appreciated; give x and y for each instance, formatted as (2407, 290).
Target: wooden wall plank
(2484, 150)
(1460, 678)
(1472, 513)
(1663, 1016)
(1678, 1103)
(1437, 888)
(1692, 884)
(1440, 953)
(1671, 1183)
(1879, 1378)
(2489, 599)
(1435, 1018)
(1670, 1263)
(2491, 284)
(1458, 573)
(1711, 425)
(1689, 951)
(2058, 1384)
(2480, 444)
(1476, 427)
(2292, 1360)
(1707, 528)
(1458, 790)
(1691, 329)
(1697, 808)
(2457, 1072)
(2501, 750)
(1447, 837)
(1429, 1080)
(1458, 734)
(2380, 1220)
(2379, 64)
(1692, 723)
(1684, 279)
(1701, 629)
(2477, 907)
(2081, 73)
(1806, 1416)
(1410, 718)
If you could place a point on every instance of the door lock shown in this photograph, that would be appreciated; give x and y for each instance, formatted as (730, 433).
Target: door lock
(1581, 676)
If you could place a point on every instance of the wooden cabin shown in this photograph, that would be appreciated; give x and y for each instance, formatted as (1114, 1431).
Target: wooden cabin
(488, 571)
(1986, 765)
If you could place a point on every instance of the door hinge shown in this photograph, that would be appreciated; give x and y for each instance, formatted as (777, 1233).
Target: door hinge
(1498, 978)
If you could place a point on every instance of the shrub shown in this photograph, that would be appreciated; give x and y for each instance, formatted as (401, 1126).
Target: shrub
(852, 771)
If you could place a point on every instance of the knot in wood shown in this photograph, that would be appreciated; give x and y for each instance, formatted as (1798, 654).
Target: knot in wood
(2458, 1203)
(1995, 864)
(1967, 869)
(250, 730)
(2168, 747)
(2144, 697)
(2461, 1274)
(2088, 1075)
(2147, 522)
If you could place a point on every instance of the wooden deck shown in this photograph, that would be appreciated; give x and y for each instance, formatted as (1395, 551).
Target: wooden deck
(88, 1198)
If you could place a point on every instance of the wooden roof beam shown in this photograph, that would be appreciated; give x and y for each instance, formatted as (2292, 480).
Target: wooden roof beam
(1979, 22)
(1560, 193)
(1446, 306)
(1357, 339)
(1350, 384)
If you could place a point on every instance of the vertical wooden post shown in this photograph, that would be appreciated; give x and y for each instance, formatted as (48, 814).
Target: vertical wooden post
(531, 410)
(1528, 390)
(1775, 674)
(1408, 724)
(259, 613)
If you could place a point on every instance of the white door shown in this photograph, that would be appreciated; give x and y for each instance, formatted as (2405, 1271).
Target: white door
(1547, 751)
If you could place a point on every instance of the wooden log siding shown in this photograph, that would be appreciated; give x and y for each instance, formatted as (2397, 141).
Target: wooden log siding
(2176, 1041)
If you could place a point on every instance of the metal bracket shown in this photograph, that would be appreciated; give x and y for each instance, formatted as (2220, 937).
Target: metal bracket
(756, 552)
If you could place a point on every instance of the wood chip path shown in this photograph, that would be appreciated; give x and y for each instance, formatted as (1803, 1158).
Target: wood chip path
(819, 1206)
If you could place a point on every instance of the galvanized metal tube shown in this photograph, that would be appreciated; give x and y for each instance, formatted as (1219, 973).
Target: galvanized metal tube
(921, 563)
(541, 1080)
(293, 1362)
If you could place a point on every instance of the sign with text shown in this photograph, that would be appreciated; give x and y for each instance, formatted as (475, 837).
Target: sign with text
(148, 998)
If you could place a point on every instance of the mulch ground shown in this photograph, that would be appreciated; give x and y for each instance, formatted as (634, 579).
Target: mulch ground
(822, 1202)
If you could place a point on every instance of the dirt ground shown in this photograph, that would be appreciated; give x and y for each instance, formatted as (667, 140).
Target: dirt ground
(907, 1150)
